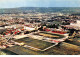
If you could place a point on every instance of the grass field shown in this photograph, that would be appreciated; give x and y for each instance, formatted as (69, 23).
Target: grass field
(51, 35)
(35, 43)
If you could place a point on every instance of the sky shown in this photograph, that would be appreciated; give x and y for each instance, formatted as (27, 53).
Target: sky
(39, 3)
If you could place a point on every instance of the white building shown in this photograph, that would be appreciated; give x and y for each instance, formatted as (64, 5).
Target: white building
(76, 24)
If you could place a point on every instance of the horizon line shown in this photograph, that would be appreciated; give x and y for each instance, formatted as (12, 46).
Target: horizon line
(38, 7)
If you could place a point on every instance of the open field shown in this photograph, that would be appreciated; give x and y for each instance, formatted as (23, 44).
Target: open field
(51, 35)
(35, 43)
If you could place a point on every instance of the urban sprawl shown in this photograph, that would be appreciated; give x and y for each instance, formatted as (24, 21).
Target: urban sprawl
(40, 33)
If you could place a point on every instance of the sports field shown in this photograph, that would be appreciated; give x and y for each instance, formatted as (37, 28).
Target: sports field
(35, 43)
(50, 35)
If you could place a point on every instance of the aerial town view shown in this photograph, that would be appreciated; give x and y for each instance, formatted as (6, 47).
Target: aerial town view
(39, 29)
